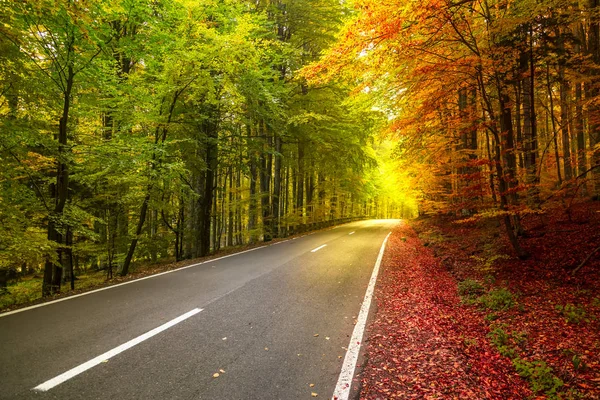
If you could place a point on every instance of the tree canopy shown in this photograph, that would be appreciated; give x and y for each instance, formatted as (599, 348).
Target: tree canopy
(137, 130)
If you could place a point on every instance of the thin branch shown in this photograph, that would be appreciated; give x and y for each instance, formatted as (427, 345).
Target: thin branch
(585, 261)
(58, 84)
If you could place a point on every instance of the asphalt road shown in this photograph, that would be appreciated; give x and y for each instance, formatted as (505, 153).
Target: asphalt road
(261, 312)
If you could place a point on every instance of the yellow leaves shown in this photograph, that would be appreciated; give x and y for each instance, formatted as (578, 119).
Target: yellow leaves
(38, 162)
(217, 374)
(313, 394)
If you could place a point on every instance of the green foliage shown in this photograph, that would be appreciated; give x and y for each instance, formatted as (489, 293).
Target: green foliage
(497, 299)
(578, 363)
(22, 292)
(491, 317)
(572, 313)
(539, 375)
(501, 340)
(470, 289)
(164, 96)
(487, 260)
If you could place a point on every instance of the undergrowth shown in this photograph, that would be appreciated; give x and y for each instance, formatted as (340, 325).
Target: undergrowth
(572, 313)
(474, 293)
(539, 375)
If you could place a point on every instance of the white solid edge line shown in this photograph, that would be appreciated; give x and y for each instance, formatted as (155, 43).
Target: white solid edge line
(134, 280)
(342, 389)
(318, 248)
(47, 303)
(111, 353)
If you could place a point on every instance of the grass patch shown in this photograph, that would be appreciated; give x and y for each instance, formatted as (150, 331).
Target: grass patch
(29, 289)
(25, 291)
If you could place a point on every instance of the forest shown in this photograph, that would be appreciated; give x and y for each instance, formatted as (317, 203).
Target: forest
(145, 136)
(135, 131)
(494, 104)
(143, 130)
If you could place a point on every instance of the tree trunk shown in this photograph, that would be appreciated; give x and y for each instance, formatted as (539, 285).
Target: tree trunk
(593, 108)
(253, 204)
(277, 189)
(206, 201)
(530, 135)
(265, 182)
(564, 110)
(53, 270)
(300, 182)
(159, 137)
(553, 121)
(230, 209)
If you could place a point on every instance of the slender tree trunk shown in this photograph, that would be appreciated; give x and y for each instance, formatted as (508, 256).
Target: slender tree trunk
(581, 150)
(530, 134)
(53, 270)
(210, 128)
(253, 204)
(553, 121)
(230, 214)
(564, 110)
(159, 137)
(277, 189)
(300, 181)
(265, 181)
(238, 210)
(518, 122)
(138, 231)
(594, 92)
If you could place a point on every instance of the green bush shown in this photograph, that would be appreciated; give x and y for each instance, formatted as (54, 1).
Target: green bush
(501, 340)
(497, 299)
(539, 375)
(470, 289)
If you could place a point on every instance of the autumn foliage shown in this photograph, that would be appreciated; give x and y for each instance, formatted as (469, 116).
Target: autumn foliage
(460, 316)
(493, 103)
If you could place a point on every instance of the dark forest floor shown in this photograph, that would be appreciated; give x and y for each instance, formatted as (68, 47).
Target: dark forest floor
(460, 317)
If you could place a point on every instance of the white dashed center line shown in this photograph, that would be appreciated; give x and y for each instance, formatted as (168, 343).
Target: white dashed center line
(318, 248)
(111, 353)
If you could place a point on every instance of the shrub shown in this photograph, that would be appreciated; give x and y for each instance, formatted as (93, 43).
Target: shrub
(501, 340)
(470, 289)
(539, 375)
(497, 299)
